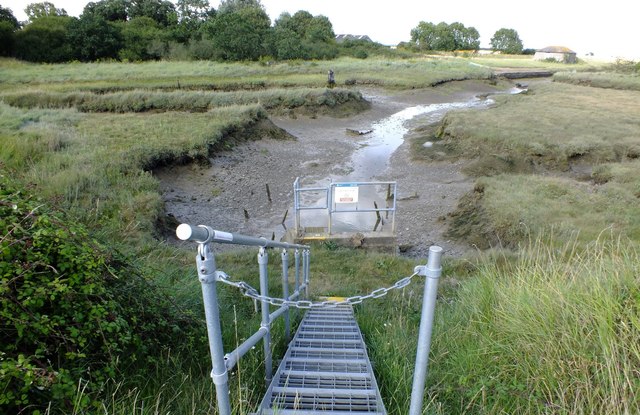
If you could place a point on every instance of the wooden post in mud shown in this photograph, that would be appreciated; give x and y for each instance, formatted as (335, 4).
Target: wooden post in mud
(379, 218)
(268, 192)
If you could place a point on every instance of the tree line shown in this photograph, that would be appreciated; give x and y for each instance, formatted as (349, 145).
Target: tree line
(138, 30)
(455, 36)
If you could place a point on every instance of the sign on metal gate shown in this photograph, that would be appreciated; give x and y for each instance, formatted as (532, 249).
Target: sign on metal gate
(346, 193)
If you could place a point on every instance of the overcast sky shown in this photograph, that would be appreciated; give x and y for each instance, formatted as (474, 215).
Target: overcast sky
(604, 28)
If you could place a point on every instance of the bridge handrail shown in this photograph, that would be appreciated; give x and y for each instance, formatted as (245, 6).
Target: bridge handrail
(209, 276)
(205, 234)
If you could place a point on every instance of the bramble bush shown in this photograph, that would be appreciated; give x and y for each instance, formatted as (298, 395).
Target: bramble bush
(72, 314)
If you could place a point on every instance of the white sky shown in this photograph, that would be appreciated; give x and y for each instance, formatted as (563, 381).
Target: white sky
(604, 28)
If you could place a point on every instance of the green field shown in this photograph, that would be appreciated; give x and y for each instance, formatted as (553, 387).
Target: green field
(544, 319)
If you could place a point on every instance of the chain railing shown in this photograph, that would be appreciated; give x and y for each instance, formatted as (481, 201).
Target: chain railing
(248, 291)
(209, 276)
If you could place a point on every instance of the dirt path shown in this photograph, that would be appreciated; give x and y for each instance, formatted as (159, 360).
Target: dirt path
(231, 194)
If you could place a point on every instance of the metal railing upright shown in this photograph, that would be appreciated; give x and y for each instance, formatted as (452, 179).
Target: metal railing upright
(209, 275)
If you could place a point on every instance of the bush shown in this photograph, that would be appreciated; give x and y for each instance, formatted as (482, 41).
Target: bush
(73, 313)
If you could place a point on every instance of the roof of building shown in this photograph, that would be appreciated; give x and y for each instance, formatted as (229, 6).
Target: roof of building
(556, 49)
(342, 38)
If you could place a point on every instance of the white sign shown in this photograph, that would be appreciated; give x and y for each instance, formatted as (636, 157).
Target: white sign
(346, 193)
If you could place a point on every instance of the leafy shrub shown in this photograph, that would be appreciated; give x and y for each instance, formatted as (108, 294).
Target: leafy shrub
(73, 314)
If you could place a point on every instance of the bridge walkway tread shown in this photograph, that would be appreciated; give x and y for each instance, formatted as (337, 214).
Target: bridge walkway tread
(326, 369)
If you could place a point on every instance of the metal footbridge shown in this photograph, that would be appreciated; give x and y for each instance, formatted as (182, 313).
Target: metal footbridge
(326, 368)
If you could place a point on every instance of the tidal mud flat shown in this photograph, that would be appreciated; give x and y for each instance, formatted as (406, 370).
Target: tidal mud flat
(249, 188)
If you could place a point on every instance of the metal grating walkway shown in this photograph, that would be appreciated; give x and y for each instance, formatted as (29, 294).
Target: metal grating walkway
(325, 369)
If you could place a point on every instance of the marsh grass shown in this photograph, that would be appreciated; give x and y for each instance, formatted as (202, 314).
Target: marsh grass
(551, 330)
(506, 210)
(623, 81)
(192, 101)
(106, 77)
(549, 128)
(522, 61)
(98, 166)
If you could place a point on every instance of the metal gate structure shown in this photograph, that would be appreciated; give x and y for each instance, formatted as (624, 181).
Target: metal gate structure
(332, 205)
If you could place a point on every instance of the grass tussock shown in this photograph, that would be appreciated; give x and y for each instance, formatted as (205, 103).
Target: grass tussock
(507, 210)
(550, 128)
(556, 329)
(274, 100)
(629, 82)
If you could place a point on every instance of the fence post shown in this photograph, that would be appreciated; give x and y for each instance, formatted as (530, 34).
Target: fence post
(207, 275)
(329, 208)
(305, 266)
(432, 271)
(296, 206)
(263, 260)
(285, 293)
(296, 256)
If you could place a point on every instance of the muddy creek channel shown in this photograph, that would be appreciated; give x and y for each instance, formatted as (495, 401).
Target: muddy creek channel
(231, 193)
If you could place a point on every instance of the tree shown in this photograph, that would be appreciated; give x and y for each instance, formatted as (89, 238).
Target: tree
(506, 41)
(232, 6)
(303, 36)
(192, 14)
(8, 26)
(45, 40)
(444, 39)
(428, 36)
(423, 36)
(92, 37)
(6, 15)
(162, 12)
(320, 30)
(138, 35)
(109, 10)
(241, 34)
(464, 38)
(37, 10)
(286, 44)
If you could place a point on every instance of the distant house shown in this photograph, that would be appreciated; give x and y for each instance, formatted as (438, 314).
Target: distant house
(342, 38)
(558, 53)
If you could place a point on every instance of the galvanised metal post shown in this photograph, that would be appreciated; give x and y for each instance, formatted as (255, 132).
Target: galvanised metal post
(305, 261)
(207, 275)
(329, 208)
(296, 205)
(263, 260)
(285, 293)
(296, 256)
(432, 271)
(393, 212)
